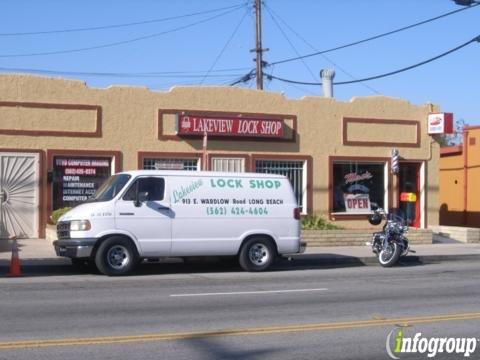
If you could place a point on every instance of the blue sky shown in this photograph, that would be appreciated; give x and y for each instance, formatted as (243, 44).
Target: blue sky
(185, 54)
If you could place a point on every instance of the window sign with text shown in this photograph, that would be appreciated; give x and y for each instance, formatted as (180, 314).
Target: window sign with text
(357, 187)
(77, 178)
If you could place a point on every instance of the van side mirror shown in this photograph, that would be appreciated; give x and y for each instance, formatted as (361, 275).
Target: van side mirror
(142, 196)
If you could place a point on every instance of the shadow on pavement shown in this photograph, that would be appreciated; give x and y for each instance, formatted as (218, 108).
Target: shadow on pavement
(63, 266)
(5, 245)
(205, 348)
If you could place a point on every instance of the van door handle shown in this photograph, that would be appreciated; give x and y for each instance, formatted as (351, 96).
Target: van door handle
(161, 207)
(127, 213)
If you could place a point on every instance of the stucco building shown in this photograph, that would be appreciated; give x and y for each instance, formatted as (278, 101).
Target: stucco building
(459, 180)
(59, 139)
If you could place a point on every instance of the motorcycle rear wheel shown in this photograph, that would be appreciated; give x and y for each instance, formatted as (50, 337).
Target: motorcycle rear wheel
(389, 256)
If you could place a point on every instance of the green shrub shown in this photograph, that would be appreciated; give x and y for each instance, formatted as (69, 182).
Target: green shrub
(57, 213)
(314, 222)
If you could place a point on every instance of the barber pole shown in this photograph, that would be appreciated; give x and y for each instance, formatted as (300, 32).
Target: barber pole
(395, 165)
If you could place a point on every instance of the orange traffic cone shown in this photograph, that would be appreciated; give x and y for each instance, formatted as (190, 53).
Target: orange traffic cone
(15, 268)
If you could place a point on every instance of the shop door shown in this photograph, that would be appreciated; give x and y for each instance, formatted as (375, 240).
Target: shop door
(409, 191)
(19, 195)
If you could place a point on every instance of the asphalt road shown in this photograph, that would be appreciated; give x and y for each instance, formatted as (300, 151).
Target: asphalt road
(205, 311)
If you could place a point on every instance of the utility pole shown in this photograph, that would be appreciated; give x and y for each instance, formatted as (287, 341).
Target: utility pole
(258, 43)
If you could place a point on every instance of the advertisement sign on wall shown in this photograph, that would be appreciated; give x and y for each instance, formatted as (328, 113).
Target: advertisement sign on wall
(77, 178)
(440, 123)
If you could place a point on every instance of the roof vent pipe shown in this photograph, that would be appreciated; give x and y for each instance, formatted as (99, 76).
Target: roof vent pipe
(327, 76)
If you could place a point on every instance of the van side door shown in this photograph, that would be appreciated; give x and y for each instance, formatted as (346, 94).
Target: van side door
(144, 212)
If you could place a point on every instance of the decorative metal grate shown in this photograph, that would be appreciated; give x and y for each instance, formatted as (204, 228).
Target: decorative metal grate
(293, 170)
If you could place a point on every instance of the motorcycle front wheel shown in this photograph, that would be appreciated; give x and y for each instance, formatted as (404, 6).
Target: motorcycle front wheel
(389, 256)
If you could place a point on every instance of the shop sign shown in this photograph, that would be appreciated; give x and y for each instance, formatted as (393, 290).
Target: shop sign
(440, 123)
(357, 203)
(78, 178)
(354, 177)
(191, 125)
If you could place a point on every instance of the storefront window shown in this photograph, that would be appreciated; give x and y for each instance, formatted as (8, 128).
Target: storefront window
(77, 178)
(228, 164)
(357, 187)
(293, 170)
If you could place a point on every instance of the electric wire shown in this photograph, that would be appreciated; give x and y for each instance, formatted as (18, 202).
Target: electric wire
(174, 74)
(112, 44)
(289, 41)
(232, 35)
(193, 73)
(476, 39)
(244, 78)
(270, 10)
(373, 37)
(115, 26)
(302, 90)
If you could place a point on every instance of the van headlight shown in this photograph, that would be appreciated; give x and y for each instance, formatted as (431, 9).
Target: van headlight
(80, 225)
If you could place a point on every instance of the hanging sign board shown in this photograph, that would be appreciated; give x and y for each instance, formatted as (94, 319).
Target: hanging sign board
(440, 123)
(191, 125)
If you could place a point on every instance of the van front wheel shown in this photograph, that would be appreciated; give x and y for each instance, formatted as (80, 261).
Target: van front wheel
(115, 256)
(257, 254)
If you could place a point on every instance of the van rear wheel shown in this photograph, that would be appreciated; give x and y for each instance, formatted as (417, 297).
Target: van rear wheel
(257, 254)
(115, 256)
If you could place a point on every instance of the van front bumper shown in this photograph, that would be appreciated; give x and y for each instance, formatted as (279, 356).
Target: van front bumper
(74, 248)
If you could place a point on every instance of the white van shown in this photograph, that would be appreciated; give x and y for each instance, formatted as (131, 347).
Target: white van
(149, 214)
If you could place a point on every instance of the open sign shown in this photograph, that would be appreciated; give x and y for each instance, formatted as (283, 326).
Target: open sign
(357, 203)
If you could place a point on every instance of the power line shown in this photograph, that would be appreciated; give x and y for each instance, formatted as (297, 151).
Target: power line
(225, 46)
(114, 26)
(166, 74)
(244, 78)
(301, 90)
(373, 37)
(288, 40)
(124, 41)
(271, 11)
(476, 39)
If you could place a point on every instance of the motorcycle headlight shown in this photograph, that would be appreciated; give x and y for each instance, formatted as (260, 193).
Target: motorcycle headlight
(80, 225)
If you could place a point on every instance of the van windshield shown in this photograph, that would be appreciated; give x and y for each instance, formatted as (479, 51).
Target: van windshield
(110, 188)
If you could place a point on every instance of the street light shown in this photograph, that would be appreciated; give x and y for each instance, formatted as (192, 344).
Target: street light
(466, 2)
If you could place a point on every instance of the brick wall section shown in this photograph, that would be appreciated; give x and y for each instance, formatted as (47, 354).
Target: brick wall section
(357, 237)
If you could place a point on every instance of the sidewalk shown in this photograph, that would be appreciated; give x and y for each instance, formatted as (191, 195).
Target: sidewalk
(40, 251)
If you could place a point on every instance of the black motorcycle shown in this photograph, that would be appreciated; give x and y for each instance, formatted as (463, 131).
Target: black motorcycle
(391, 243)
